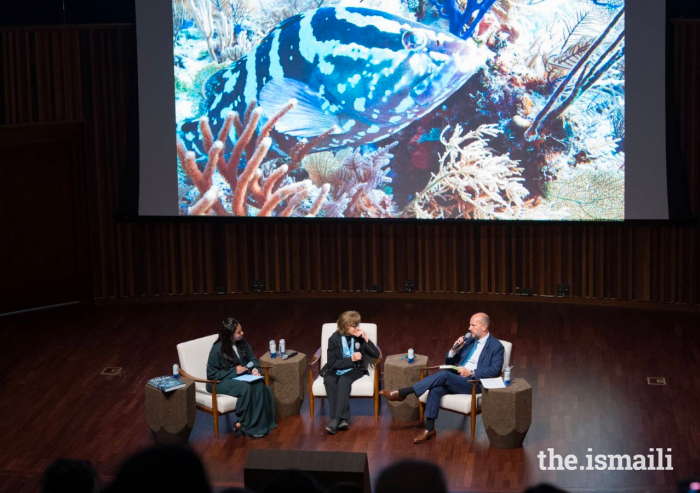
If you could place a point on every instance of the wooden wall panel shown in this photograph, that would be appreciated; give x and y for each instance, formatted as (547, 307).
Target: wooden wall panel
(68, 74)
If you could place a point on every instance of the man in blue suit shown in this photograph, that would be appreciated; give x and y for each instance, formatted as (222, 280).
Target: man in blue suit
(479, 355)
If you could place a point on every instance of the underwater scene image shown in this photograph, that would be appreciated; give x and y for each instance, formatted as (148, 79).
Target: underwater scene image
(427, 109)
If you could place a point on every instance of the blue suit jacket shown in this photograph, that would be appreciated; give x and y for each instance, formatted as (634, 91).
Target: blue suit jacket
(490, 362)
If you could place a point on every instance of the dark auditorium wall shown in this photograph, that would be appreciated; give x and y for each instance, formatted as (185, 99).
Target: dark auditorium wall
(64, 99)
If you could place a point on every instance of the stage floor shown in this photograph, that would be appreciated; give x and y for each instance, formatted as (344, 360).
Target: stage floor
(587, 367)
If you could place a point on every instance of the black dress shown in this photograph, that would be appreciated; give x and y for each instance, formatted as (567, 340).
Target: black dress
(338, 386)
(255, 407)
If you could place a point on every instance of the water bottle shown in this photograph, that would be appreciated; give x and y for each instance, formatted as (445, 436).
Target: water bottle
(176, 371)
(411, 356)
(273, 349)
(282, 348)
(506, 375)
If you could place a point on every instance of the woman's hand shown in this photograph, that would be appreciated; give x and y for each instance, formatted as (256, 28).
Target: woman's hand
(241, 369)
(361, 333)
(255, 372)
(356, 356)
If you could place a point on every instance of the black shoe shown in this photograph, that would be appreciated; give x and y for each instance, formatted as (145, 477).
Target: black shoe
(344, 425)
(332, 428)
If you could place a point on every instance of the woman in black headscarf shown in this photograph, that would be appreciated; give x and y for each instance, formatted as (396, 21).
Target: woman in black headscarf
(231, 356)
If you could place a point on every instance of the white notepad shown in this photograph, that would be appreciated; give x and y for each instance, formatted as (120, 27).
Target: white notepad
(248, 378)
(493, 383)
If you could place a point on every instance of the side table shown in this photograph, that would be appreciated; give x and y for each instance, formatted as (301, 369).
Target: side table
(398, 374)
(170, 415)
(286, 382)
(507, 414)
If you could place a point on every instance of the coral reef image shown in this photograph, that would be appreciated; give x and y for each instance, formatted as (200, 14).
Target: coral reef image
(426, 109)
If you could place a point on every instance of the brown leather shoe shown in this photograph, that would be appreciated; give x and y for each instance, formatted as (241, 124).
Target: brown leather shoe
(424, 437)
(392, 395)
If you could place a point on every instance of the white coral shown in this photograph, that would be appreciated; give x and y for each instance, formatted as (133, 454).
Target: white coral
(473, 183)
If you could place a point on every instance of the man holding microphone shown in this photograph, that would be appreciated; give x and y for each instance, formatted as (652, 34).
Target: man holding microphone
(477, 354)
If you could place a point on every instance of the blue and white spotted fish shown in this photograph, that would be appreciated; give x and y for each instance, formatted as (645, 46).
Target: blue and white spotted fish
(366, 72)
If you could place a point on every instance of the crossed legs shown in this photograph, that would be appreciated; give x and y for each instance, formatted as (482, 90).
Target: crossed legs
(439, 384)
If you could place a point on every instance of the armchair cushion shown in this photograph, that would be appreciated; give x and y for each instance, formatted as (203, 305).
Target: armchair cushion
(363, 387)
(459, 403)
(225, 403)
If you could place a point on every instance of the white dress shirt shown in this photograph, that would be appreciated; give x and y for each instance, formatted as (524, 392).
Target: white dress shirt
(474, 358)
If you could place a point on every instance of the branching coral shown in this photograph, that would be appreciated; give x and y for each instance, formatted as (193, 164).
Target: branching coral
(220, 20)
(254, 192)
(205, 203)
(471, 183)
(357, 184)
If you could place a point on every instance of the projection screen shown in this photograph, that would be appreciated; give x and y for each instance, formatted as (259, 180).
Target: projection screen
(549, 110)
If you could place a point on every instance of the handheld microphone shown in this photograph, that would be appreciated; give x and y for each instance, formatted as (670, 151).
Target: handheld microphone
(290, 354)
(468, 335)
(249, 367)
(357, 346)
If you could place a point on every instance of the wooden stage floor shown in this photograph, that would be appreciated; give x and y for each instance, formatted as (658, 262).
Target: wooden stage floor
(587, 367)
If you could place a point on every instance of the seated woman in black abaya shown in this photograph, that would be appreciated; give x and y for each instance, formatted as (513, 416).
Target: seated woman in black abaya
(230, 357)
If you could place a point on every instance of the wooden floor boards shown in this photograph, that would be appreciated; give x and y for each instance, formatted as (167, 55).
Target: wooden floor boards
(587, 366)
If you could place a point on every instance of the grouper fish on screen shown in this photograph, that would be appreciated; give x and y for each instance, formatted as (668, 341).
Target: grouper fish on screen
(364, 72)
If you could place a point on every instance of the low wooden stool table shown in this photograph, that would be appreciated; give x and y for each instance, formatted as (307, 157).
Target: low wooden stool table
(286, 382)
(398, 374)
(170, 415)
(507, 414)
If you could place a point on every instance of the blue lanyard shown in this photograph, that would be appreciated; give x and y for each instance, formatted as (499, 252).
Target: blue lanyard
(347, 351)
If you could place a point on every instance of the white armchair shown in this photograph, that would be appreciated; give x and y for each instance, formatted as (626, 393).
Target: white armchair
(469, 405)
(367, 386)
(193, 365)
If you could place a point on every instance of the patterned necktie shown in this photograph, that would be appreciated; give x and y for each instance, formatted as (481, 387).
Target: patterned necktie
(473, 349)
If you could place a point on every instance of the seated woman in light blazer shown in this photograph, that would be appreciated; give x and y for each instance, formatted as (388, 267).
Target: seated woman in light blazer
(346, 349)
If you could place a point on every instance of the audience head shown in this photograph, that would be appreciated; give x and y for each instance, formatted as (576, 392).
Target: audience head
(479, 325)
(166, 469)
(347, 320)
(70, 476)
(411, 476)
(293, 482)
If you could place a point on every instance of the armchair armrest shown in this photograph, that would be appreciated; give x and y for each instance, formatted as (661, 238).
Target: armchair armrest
(214, 402)
(200, 380)
(378, 360)
(266, 370)
(315, 358)
(424, 370)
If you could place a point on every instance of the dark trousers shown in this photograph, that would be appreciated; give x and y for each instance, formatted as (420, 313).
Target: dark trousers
(338, 391)
(440, 384)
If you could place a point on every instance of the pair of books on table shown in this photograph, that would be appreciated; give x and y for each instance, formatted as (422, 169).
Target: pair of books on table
(166, 383)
